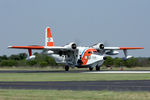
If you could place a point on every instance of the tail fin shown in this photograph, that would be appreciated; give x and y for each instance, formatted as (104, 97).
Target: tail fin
(48, 37)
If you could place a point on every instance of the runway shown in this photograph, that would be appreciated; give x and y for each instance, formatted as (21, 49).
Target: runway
(138, 85)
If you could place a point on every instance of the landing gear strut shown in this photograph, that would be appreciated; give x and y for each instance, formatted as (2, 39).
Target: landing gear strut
(90, 68)
(66, 68)
(97, 68)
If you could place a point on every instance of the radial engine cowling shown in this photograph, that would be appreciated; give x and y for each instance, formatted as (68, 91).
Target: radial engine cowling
(71, 45)
(99, 46)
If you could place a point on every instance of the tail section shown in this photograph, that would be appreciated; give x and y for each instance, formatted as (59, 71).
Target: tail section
(48, 37)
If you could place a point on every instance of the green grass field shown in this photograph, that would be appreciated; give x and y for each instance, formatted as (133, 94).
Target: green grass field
(71, 95)
(50, 68)
(70, 77)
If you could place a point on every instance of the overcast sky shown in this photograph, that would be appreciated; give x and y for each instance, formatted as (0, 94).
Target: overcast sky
(115, 22)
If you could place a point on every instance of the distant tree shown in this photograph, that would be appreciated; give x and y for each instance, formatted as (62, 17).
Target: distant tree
(43, 63)
(51, 61)
(45, 58)
(118, 62)
(14, 57)
(22, 63)
(23, 56)
(32, 62)
(143, 62)
(36, 53)
(8, 63)
(109, 61)
(4, 57)
(132, 62)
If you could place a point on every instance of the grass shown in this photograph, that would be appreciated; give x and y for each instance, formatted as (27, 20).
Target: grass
(48, 76)
(61, 68)
(70, 77)
(71, 95)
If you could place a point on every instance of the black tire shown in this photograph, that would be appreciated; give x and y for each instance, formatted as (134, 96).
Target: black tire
(66, 68)
(97, 68)
(90, 68)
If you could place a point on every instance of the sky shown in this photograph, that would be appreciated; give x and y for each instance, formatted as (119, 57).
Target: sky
(124, 23)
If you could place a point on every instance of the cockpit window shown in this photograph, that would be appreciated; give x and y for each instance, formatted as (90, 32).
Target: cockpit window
(89, 52)
(95, 52)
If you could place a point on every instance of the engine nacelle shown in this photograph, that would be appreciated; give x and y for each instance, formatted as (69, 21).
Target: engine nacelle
(99, 46)
(112, 52)
(71, 45)
(31, 57)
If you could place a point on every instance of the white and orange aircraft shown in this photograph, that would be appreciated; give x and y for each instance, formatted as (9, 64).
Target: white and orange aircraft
(76, 56)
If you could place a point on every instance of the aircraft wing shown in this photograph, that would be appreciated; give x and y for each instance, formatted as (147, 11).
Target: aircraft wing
(26, 47)
(122, 48)
(55, 49)
(112, 50)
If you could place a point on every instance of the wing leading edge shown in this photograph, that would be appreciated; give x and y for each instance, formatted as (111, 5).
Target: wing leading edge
(122, 48)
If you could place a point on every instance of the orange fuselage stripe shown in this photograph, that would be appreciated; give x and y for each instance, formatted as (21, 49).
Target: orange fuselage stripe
(86, 55)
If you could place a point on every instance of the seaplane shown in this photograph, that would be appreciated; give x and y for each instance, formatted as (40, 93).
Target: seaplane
(72, 55)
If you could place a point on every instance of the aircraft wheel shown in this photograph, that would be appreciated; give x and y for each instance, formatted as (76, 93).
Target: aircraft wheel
(90, 68)
(66, 68)
(97, 68)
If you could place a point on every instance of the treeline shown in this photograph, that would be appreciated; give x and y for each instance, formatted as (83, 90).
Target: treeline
(42, 60)
(132, 62)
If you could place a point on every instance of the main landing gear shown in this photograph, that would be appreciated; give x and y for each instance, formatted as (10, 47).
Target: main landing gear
(66, 68)
(97, 68)
(90, 68)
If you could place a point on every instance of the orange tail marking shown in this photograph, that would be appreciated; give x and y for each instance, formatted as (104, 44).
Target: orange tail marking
(49, 38)
(49, 35)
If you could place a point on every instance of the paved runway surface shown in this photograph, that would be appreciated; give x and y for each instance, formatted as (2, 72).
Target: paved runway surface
(138, 85)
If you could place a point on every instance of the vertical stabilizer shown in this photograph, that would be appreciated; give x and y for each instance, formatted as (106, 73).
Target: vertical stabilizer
(48, 37)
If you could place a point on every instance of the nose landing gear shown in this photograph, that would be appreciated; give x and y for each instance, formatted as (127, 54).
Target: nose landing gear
(97, 68)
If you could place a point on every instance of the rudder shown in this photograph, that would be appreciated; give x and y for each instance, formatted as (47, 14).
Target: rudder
(48, 37)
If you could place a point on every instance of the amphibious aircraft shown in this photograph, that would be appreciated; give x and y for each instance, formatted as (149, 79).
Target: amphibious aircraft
(76, 56)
